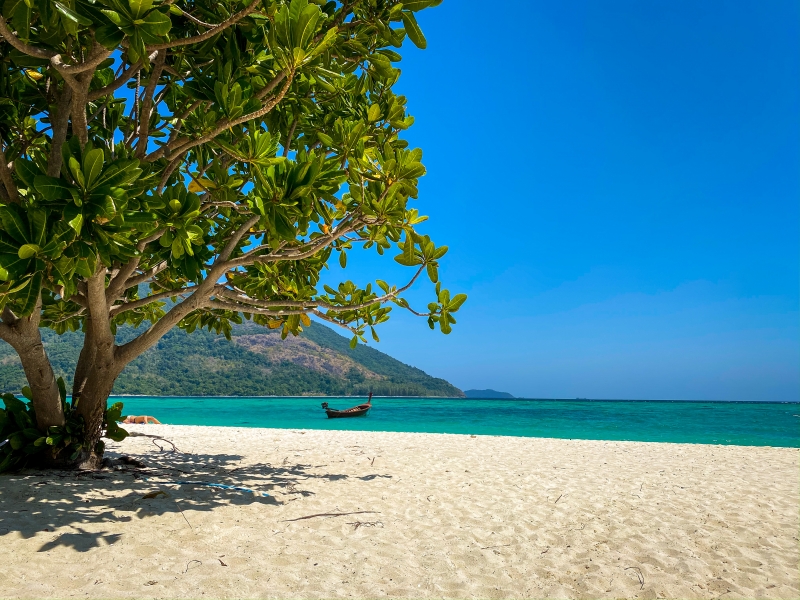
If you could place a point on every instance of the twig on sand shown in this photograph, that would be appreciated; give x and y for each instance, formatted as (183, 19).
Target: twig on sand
(557, 499)
(544, 551)
(357, 524)
(639, 575)
(161, 448)
(500, 546)
(358, 512)
(183, 515)
(189, 563)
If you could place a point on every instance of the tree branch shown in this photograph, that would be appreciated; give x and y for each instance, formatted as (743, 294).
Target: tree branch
(127, 352)
(133, 304)
(119, 282)
(234, 240)
(288, 143)
(253, 310)
(60, 123)
(243, 300)
(325, 317)
(119, 81)
(194, 19)
(185, 145)
(146, 276)
(78, 109)
(179, 123)
(299, 253)
(232, 20)
(6, 179)
(98, 311)
(99, 54)
(262, 93)
(22, 46)
(169, 171)
(147, 104)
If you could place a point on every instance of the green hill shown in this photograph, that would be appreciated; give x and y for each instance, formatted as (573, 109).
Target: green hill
(256, 362)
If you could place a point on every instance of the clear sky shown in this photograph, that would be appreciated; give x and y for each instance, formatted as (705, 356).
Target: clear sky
(618, 183)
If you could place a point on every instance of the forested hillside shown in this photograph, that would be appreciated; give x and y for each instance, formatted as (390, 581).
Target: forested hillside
(256, 362)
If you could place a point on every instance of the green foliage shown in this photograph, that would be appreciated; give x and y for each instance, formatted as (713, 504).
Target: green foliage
(277, 116)
(21, 439)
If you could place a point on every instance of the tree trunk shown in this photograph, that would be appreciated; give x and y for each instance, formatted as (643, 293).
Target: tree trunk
(92, 404)
(24, 336)
(42, 381)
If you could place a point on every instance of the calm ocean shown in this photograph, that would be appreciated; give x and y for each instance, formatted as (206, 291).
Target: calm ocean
(743, 423)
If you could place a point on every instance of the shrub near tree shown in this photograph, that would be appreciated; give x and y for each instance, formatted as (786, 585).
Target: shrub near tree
(219, 153)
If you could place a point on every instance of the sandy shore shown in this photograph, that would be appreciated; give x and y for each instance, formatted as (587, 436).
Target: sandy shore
(433, 516)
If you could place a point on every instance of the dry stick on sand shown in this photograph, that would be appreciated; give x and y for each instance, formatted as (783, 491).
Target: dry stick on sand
(184, 516)
(161, 448)
(500, 546)
(189, 563)
(557, 499)
(359, 512)
(357, 524)
(639, 575)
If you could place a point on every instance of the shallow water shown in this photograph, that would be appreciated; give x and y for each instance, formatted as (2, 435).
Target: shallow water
(742, 423)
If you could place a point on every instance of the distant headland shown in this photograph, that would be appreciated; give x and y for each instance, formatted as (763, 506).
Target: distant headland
(486, 394)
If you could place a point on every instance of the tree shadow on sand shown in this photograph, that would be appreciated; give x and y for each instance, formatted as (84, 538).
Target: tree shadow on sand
(33, 501)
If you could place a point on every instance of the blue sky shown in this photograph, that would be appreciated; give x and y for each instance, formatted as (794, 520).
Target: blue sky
(618, 184)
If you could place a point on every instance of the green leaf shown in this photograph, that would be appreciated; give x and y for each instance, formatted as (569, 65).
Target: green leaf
(28, 251)
(30, 295)
(354, 341)
(113, 16)
(75, 169)
(374, 113)
(26, 392)
(38, 220)
(382, 64)
(13, 224)
(72, 15)
(51, 188)
(26, 170)
(343, 259)
(139, 7)
(413, 31)
(456, 302)
(416, 5)
(433, 273)
(157, 23)
(109, 36)
(92, 166)
(74, 217)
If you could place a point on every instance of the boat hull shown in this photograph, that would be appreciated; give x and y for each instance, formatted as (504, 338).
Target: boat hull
(352, 412)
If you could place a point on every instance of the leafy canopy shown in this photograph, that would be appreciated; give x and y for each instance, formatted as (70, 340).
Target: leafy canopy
(218, 153)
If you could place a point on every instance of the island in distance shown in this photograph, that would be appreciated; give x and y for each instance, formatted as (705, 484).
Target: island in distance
(486, 394)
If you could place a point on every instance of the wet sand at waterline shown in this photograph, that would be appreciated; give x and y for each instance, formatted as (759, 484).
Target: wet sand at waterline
(432, 515)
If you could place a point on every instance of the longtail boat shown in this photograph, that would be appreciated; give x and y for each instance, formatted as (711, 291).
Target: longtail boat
(356, 411)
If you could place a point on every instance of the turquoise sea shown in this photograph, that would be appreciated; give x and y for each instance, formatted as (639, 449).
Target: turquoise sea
(742, 423)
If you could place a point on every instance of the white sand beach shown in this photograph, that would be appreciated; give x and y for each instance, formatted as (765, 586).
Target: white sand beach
(431, 516)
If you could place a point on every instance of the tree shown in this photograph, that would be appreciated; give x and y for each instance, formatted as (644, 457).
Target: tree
(216, 153)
